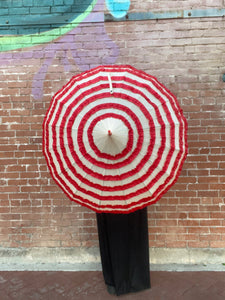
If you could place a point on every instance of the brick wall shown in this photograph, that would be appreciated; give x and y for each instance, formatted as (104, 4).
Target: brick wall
(164, 5)
(187, 55)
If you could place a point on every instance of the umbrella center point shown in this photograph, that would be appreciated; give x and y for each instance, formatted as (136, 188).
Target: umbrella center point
(110, 141)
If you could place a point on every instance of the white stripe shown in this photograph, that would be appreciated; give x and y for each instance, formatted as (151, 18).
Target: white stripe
(146, 137)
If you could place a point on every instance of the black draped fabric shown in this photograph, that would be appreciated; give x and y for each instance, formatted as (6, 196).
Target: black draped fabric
(124, 249)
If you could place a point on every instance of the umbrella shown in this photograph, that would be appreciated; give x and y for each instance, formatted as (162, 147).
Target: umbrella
(114, 139)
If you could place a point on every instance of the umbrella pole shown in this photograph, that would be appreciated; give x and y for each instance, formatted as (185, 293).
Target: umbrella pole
(124, 249)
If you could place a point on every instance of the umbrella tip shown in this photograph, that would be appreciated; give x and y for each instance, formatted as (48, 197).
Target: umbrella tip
(109, 132)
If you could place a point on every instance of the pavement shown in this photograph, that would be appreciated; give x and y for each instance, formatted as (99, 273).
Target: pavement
(89, 285)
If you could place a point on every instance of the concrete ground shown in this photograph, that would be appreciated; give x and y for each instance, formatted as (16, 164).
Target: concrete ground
(70, 274)
(89, 285)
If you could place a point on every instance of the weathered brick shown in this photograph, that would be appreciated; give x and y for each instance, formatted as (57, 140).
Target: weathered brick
(186, 55)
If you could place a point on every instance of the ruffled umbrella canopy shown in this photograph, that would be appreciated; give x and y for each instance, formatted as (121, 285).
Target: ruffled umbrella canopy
(115, 139)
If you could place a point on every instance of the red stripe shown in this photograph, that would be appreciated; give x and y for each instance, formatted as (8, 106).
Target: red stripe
(68, 162)
(168, 114)
(115, 164)
(121, 164)
(83, 179)
(100, 154)
(181, 141)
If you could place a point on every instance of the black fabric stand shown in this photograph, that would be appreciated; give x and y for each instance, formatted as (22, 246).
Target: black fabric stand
(124, 249)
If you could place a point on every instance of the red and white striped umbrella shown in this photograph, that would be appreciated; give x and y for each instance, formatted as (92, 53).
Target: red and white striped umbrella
(114, 139)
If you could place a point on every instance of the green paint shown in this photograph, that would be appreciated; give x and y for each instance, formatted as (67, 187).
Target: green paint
(8, 43)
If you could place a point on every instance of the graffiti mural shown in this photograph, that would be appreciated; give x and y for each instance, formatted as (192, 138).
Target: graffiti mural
(118, 8)
(63, 32)
(27, 25)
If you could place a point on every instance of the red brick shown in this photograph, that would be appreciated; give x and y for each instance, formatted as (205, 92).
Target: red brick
(166, 223)
(199, 215)
(217, 172)
(18, 196)
(176, 244)
(215, 230)
(209, 237)
(187, 208)
(186, 194)
(209, 180)
(17, 168)
(198, 232)
(210, 223)
(206, 200)
(9, 189)
(208, 193)
(217, 244)
(209, 208)
(216, 158)
(200, 244)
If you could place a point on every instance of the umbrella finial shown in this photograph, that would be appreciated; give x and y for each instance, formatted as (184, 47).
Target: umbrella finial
(109, 132)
